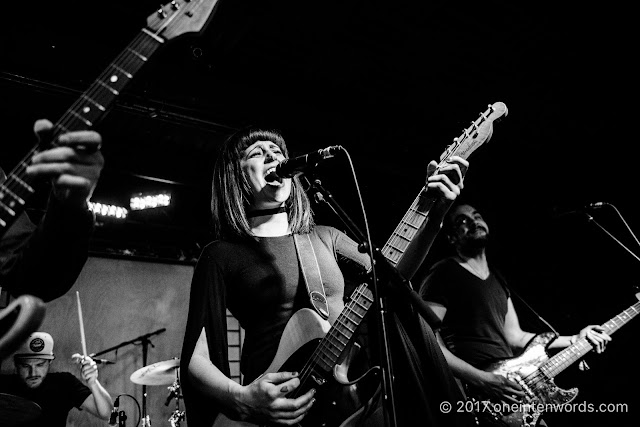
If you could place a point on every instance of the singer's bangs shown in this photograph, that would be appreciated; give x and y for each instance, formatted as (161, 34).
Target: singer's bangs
(251, 136)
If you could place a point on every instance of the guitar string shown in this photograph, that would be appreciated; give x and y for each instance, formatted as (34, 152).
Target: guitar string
(395, 239)
(20, 169)
(583, 344)
(542, 376)
(305, 372)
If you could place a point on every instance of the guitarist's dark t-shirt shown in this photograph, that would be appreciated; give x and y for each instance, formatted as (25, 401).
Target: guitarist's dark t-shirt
(473, 326)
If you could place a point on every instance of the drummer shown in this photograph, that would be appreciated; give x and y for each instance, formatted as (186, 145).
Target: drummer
(55, 392)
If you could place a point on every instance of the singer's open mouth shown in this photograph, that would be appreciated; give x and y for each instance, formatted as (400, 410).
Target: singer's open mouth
(271, 178)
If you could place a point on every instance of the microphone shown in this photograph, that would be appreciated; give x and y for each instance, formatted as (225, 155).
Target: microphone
(596, 205)
(291, 167)
(558, 212)
(114, 412)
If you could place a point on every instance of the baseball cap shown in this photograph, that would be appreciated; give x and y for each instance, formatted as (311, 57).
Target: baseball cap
(39, 345)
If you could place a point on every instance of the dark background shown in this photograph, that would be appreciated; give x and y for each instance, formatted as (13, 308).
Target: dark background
(394, 83)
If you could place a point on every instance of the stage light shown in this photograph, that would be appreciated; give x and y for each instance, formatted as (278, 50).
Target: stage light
(149, 201)
(105, 210)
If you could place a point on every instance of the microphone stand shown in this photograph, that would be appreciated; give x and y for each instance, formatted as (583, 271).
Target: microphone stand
(403, 286)
(321, 194)
(592, 220)
(145, 341)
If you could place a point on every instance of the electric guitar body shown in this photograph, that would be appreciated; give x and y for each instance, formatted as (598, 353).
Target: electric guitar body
(534, 371)
(310, 346)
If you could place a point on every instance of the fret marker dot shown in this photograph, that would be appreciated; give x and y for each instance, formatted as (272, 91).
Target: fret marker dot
(86, 110)
(113, 79)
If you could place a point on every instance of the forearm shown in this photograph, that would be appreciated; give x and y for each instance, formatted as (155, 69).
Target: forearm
(210, 381)
(101, 399)
(462, 369)
(563, 341)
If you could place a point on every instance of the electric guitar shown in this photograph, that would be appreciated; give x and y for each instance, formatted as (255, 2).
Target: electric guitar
(312, 347)
(535, 371)
(168, 22)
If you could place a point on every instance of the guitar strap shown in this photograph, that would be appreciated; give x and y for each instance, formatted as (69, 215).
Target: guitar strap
(311, 274)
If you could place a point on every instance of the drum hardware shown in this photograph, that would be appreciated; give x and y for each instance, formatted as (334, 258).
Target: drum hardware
(174, 392)
(145, 341)
(163, 373)
(16, 410)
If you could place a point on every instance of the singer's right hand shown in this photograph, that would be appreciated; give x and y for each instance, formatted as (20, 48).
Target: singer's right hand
(264, 400)
(447, 183)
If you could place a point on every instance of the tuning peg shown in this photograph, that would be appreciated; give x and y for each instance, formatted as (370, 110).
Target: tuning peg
(161, 13)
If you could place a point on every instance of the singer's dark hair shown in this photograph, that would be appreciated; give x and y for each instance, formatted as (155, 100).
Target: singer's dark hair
(231, 193)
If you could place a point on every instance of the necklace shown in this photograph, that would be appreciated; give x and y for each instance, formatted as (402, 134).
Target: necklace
(261, 212)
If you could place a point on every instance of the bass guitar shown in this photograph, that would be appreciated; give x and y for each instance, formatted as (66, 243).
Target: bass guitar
(312, 347)
(535, 371)
(168, 22)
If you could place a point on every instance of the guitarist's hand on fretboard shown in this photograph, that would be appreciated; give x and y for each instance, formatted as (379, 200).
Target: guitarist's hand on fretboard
(445, 183)
(73, 164)
(597, 337)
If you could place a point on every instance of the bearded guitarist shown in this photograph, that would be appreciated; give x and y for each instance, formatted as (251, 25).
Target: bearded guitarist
(479, 322)
(44, 260)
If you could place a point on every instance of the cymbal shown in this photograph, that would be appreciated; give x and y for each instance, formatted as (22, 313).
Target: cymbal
(159, 373)
(16, 410)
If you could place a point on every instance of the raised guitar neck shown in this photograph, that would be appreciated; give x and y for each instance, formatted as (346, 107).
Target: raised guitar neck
(88, 109)
(333, 344)
(582, 346)
(471, 138)
(171, 20)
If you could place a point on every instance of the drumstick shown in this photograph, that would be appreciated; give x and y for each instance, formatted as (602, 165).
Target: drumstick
(82, 339)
